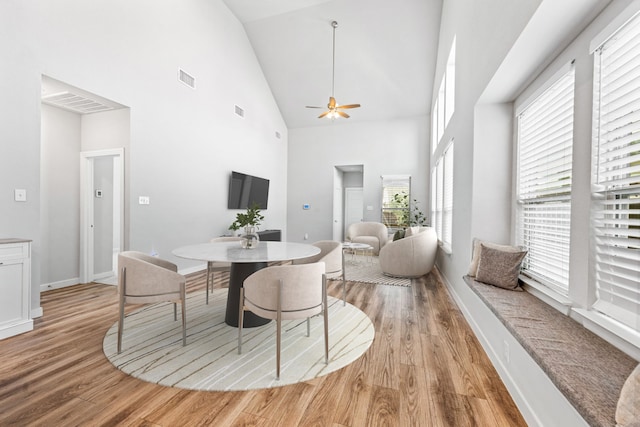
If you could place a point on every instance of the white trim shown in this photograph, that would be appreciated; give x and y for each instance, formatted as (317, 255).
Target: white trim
(526, 102)
(615, 333)
(189, 270)
(16, 328)
(616, 23)
(36, 312)
(60, 284)
(86, 206)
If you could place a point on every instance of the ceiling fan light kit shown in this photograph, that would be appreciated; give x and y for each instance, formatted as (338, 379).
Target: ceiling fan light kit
(333, 107)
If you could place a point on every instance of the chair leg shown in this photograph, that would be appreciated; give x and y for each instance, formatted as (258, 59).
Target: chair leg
(175, 311)
(240, 320)
(344, 284)
(184, 314)
(326, 319)
(278, 332)
(208, 275)
(308, 326)
(121, 308)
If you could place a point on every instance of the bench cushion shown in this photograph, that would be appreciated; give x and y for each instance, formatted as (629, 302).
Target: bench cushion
(589, 371)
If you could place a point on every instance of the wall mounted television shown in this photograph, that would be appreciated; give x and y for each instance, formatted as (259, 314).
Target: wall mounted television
(245, 190)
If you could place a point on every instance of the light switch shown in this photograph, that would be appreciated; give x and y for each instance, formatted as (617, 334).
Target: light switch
(143, 200)
(20, 195)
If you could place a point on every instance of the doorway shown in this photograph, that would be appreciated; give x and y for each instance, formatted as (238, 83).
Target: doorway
(348, 200)
(102, 219)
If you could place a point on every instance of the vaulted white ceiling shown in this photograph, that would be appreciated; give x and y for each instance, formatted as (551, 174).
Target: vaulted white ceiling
(385, 55)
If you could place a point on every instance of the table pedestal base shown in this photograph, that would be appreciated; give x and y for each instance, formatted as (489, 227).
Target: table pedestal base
(239, 272)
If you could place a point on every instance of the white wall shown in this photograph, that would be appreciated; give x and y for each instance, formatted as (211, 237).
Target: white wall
(183, 142)
(391, 147)
(60, 190)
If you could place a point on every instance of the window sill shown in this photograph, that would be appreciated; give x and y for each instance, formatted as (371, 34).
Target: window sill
(554, 299)
(445, 248)
(621, 336)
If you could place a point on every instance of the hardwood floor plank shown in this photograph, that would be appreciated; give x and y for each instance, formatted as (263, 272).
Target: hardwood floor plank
(425, 368)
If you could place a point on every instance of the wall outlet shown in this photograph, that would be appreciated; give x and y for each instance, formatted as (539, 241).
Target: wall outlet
(505, 351)
(306, 236)
(20, 195)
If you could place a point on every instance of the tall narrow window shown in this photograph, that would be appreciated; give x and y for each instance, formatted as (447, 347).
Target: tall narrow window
(444, 104)
(442, 198)
(545, 139)
(616, 175)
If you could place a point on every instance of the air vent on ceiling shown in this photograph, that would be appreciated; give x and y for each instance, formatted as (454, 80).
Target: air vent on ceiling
(239, 111)
(186, 78)
(76, 103)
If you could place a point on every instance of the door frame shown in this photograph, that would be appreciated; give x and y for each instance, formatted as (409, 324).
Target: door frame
(87, 273)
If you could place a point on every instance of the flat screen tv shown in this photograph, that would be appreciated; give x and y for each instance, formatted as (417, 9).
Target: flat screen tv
(245, 190)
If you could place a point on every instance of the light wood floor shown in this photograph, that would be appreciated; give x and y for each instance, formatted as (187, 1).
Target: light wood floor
(424, 368)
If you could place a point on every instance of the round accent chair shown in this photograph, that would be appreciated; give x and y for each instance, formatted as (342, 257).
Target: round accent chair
(412, 256)
(374, 234)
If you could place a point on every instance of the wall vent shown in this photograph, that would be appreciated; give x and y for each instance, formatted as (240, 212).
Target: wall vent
(278, 135)
(186, 78)
(239, 111)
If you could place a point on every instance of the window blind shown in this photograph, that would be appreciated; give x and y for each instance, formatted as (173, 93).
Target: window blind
(545, 138)
(616, 175)
(447, 198)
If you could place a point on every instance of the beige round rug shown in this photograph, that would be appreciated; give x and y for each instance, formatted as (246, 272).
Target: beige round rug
(152, 346)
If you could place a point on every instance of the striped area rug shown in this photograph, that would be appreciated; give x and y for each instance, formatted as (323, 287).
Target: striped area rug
(152, 346)
(366, 268)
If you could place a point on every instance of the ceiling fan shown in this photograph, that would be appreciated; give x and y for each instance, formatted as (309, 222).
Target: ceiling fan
(333, 107)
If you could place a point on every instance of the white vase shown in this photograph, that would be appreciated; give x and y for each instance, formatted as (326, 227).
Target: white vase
(250, 238)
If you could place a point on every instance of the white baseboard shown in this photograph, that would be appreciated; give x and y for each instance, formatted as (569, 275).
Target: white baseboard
(185, 271)
(60, 284)
(16, 328)
(36, 312)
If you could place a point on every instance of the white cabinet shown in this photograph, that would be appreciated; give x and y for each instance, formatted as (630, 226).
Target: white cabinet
(15, 287)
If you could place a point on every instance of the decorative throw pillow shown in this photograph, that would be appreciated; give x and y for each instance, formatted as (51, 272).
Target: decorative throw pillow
(473, 267)
(499, 268)
(411, 231)
(628, 410)
(398, 235)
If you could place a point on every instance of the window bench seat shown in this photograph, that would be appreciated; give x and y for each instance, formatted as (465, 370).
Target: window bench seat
(586, 369)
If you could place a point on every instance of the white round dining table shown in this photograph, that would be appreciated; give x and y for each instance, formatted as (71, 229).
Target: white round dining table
(244, 262)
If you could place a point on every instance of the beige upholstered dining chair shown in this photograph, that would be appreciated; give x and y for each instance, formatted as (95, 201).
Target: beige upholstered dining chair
(333, 257)
(213, 266)
(144, 279)
(286, 292)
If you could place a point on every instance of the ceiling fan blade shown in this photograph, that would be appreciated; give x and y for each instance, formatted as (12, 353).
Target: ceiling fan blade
(349, 106)
(323, 114)
(332, 103)
(309, 106)
(343, 114)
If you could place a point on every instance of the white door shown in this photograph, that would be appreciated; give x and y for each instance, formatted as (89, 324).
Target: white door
(338, 205)
(101, 222)
(353, 206)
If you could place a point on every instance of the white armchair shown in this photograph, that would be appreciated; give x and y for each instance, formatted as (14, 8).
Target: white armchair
(374, 234)
(412, 256)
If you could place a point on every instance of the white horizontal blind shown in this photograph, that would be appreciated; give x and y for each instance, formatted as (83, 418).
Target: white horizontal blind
(395, 214)
(545, 137)
(616, 175)
(447, 198)
(438, 207)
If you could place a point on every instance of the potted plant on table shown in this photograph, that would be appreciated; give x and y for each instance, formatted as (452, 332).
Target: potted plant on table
(250, 222)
